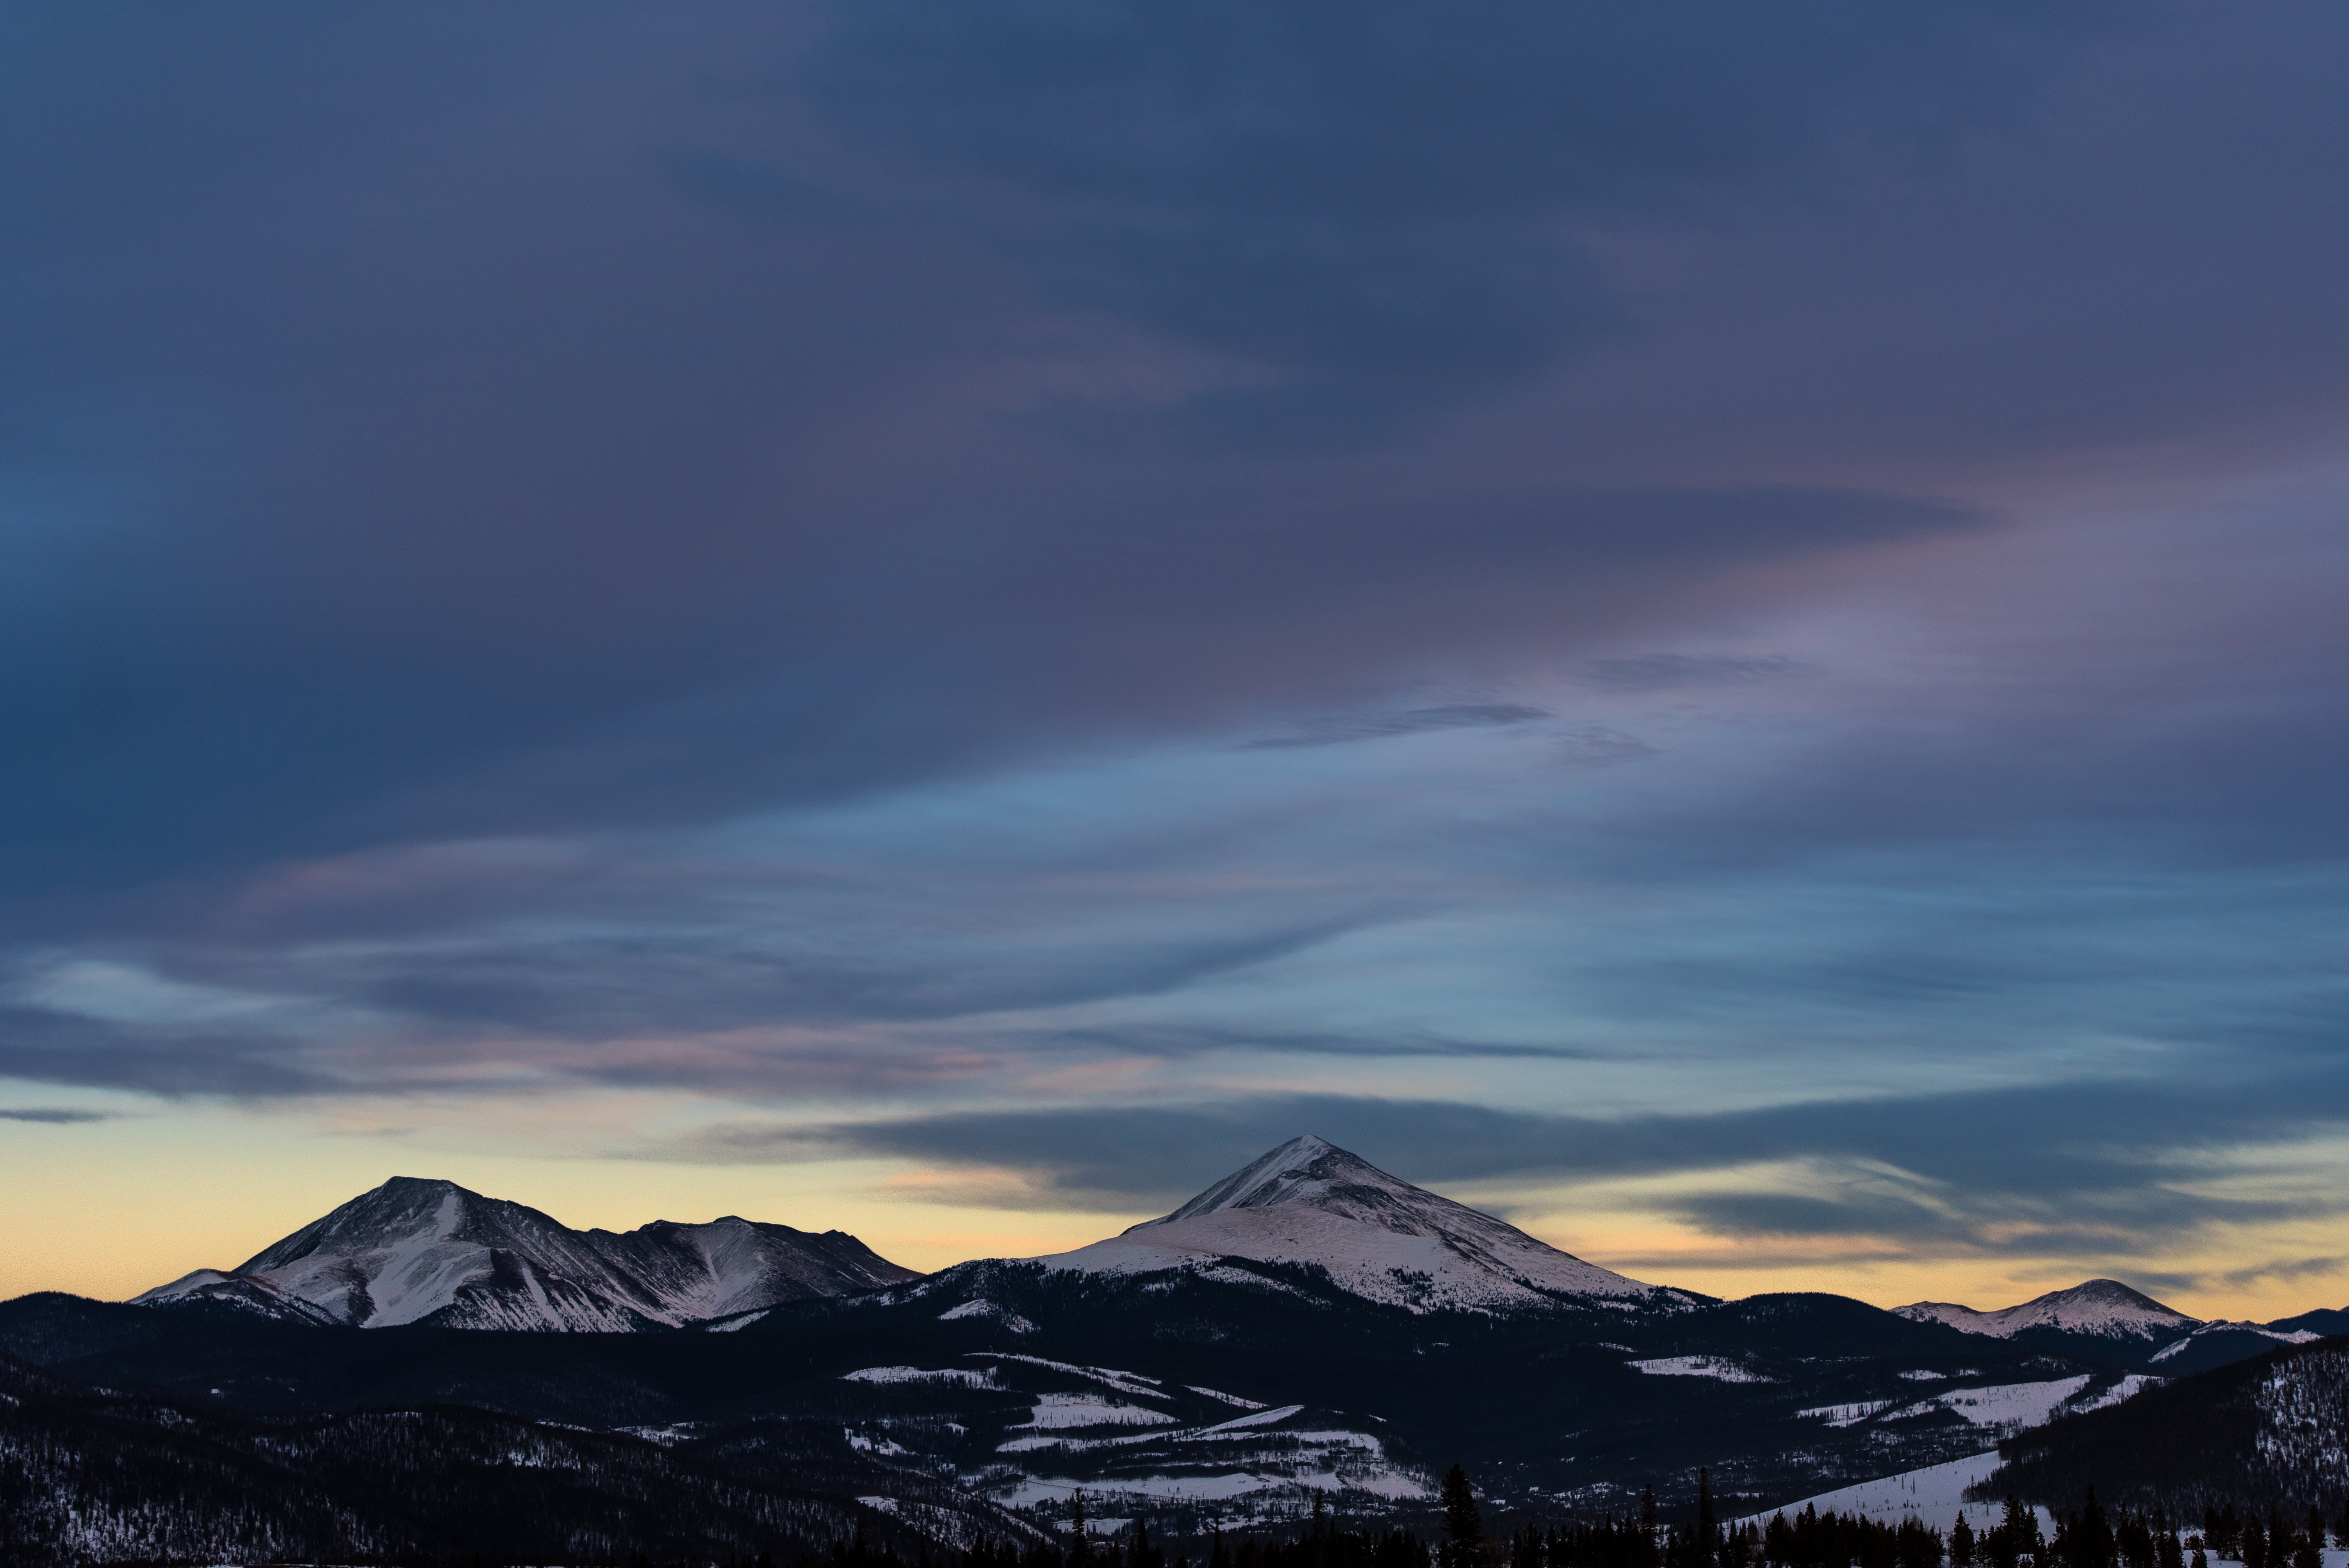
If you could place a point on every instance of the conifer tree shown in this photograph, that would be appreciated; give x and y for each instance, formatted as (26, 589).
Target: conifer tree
(1708, 1528)
(1961, 1543)
(1464, 1524)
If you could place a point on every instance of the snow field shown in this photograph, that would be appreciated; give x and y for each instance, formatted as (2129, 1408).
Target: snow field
(1713, 1366)
(1055, 1411)
(963, 1375)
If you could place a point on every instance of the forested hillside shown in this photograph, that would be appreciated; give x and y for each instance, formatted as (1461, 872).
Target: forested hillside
(90, 1475)
(2270, 1434)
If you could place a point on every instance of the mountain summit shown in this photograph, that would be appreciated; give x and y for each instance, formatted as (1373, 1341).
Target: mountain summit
(2102, 1307)
(1309, 1201)
(431, 1252)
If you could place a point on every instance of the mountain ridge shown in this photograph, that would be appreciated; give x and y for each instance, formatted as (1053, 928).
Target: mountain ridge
(2099, 1306)
(427, 1251)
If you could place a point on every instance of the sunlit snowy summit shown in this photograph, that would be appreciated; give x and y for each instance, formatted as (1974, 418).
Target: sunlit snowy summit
(1311, 1202)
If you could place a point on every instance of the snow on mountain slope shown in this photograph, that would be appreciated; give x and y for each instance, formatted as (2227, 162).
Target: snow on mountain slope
(2102, 1307)
(1309, 1201)
(423, 1251)
(2186, 1345)
(1935, 1495)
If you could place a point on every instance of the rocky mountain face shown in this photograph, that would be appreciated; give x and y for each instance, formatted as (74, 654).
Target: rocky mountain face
(427, 1252)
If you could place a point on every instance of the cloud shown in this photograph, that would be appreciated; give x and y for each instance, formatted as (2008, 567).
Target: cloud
(2079, 1169)
(744, 557)
(2284, 1270)
(52, 1116)
(1411, 721)
(1666, 672)
(1369, 213)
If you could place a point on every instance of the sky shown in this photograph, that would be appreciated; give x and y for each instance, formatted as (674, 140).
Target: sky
(1717, 629)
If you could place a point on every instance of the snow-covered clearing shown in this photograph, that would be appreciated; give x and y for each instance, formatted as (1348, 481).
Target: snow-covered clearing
(2005, 1404)
(2129, 1387)
(1062, 1410)
(1714, 1367)
(1227, 1398)
(988, 1309)
(1935, 1494)
(1123, 1382)
(962, 1376)
(1845, 1415)
(1380, 1480)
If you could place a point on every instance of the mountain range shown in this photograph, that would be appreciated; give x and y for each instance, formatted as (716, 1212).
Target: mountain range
(432, 1253)
(420, 1252)
(1307, 1325)
(2104, 1320)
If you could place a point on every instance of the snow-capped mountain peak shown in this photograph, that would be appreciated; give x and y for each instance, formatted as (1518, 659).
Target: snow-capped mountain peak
(2104, 1308)
(1310, 1201)
(418, 1251)
(1305, 1169)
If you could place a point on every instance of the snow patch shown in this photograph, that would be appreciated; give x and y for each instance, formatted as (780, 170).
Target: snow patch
(1063, 1411)
(987, 1309)
(1226, 1398)
(2003, 1404)
(1713, 1366)
(962, 1376)
(1845, 1415)
(1109, 1376)
(731, 1323)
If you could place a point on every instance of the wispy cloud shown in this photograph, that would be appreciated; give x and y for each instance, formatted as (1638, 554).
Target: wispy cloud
(1667, 672)
(1411, 721)
(2080, 1169)
(2284, 1270)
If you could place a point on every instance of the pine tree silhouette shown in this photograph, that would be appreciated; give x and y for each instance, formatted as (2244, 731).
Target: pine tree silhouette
(1464, 1523)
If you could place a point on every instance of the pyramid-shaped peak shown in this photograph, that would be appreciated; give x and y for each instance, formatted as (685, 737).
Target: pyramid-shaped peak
(1305, 1170)
(1311, 1203)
